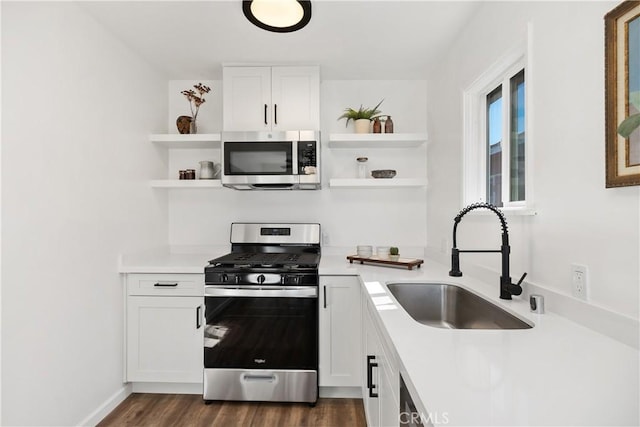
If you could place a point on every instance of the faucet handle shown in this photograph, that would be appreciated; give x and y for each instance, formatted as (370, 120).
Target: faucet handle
(516, 289)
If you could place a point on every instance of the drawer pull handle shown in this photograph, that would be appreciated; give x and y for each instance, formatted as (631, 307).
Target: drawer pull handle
(370, 385)
(324, 290)
(166, 285)
(258, 377)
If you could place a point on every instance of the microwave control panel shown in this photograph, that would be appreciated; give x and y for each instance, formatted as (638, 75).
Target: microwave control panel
(307, 154)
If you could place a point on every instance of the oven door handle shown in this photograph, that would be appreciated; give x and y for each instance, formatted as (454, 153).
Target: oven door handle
(261, 291)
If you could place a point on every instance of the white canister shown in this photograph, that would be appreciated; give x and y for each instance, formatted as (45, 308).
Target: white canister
(382, 252)
(364, 251)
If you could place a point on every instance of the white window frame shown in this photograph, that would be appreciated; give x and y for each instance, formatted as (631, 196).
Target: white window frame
(475, 131)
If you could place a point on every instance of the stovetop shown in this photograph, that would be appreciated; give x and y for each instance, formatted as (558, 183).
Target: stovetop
(285, 261)
(266, 254)
(259, 268)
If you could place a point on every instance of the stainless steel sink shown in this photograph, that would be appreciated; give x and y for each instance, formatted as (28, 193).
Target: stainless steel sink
(449, 306)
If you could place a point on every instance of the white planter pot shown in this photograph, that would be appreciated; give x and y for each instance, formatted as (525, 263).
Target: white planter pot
(362, 125)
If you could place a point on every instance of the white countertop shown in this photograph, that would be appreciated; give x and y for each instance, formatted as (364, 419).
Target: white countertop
(163, 261)
(557, 373)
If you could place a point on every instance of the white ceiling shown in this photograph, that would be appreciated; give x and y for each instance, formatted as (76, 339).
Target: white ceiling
(348, 39)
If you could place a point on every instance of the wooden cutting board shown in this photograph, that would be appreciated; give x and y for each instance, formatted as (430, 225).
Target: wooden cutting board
(385, 262)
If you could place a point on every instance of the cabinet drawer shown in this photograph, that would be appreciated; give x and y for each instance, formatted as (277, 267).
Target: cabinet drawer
(165, 284)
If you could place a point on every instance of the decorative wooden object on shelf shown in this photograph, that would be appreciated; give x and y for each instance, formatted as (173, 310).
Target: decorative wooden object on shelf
(402, 262)
(184, 124)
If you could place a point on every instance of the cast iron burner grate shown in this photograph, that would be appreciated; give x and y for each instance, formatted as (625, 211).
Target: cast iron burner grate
(267, 260)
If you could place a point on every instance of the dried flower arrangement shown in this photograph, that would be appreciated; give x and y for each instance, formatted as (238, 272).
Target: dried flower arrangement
(196, 99)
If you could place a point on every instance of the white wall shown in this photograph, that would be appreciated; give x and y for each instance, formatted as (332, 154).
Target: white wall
(77, 108)
(348, 216)
(578, 220)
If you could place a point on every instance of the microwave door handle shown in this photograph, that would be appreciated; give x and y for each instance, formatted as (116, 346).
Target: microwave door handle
(265, 114)
(295, 170)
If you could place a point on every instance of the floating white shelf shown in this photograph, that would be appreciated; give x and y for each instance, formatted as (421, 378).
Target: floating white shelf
(198, 140)
(186, 183)
(377, 183)
(376, 140)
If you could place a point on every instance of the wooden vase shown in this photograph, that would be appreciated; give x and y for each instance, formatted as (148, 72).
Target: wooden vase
(184, 124)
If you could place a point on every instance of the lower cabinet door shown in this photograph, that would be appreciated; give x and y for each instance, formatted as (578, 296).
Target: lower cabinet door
(389, 402)
(380, 386)
(164, 339)
(371, 372)
(340, 331)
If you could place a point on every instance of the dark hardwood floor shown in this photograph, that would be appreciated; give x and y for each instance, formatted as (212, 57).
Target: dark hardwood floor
(190, 410)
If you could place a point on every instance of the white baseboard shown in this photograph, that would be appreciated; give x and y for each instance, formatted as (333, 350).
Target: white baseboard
(109, 405)
(341, 392)
(169, 388)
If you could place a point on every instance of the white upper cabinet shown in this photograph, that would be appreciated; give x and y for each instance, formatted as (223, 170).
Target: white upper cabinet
(246, 98)
(295, 93)
(271, 98)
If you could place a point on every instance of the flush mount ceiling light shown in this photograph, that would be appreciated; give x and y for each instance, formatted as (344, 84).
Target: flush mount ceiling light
(279, 16)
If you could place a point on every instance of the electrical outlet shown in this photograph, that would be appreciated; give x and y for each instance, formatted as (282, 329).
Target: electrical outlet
(579, 282)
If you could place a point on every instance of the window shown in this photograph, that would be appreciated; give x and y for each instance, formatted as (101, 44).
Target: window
(512, 131)
(494, 146)
(495, 140)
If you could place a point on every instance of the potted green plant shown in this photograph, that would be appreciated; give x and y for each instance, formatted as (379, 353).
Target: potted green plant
(394, 253)
(361, 117)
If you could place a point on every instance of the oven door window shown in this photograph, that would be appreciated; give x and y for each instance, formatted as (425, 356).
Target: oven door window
(261, 333)
(258, 158)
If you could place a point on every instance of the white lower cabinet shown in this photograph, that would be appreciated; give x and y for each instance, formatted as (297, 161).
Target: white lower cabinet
(340, 331)
(164, 340)
(381, 385)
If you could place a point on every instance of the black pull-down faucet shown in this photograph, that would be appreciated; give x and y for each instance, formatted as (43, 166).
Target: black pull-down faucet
(506, 287)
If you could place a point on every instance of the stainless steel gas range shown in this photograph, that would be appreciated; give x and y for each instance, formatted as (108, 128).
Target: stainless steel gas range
(261, 309)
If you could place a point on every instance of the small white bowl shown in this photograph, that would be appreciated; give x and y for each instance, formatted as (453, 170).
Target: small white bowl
(382, 251)
(364, 251)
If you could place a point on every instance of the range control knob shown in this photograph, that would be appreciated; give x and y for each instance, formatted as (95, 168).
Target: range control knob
(294, 280)
(261, 279)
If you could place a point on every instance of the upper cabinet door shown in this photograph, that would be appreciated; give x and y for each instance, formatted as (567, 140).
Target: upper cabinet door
(246, 98)
(295, 94)
(271, 98)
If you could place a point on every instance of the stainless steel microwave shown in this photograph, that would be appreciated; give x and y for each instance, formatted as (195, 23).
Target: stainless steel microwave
(286, 160)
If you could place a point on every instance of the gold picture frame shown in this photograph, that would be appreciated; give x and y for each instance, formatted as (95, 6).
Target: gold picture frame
(622, 77)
